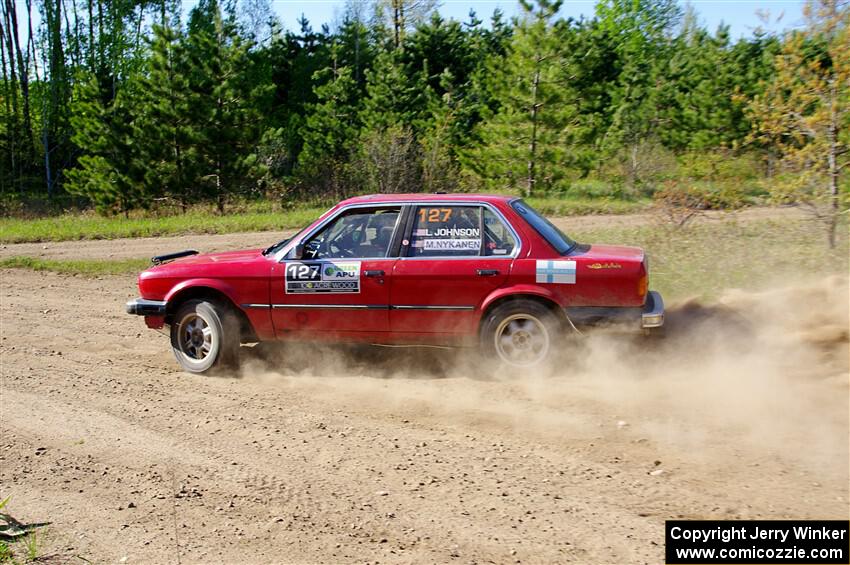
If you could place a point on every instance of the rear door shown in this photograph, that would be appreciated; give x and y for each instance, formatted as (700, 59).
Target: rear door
(341, 284)
(452, 257)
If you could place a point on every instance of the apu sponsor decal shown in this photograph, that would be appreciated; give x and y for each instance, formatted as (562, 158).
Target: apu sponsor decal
(556, 272)
(340, 271)
(326, 277)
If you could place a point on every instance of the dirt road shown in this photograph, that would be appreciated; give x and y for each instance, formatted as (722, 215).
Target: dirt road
(398, 455)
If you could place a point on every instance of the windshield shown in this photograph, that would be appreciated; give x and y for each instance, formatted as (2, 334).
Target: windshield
(556, 238)
(280, 244)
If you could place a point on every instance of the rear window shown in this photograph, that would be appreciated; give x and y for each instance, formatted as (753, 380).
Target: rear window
(556, 238)
(498, 239)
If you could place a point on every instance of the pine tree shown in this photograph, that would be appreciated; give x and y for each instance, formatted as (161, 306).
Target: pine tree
(103, 133)
(293, 59)
(528, 142)
(639, 31)
(168, 130)
(354, 48)
(592, 62)
(440, 137)
(696, 107)
(332, 128)
(391, 94)
(229, 124)
(388, 152)
(706, 86)
(444, 59)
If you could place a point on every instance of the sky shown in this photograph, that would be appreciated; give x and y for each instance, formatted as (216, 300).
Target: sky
(741, 15)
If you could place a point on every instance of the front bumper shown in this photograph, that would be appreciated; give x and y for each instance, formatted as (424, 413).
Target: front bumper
(145, 307)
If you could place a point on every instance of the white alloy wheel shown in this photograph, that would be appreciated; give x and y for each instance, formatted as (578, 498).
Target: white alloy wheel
(520, 333)
(196, 338)
(522, 340)
(204, 336)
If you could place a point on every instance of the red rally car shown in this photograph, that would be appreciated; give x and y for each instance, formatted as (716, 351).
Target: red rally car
(436, 269)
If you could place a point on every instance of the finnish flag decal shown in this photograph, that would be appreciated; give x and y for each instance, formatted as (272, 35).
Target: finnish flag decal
(557, 272)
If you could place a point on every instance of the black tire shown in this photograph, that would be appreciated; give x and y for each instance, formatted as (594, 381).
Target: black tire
(520, 333)
(199, 351)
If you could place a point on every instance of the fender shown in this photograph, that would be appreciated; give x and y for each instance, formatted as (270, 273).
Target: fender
(256, 320)
(519, 289)
(216, 284)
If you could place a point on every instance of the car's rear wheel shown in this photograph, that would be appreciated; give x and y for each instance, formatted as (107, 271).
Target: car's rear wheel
(204, 337)
(520, 333)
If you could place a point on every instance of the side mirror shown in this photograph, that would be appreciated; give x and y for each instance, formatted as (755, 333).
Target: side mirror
(299, 251)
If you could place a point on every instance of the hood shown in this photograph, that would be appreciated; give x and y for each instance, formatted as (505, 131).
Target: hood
(221, 257)
(206, 264)
(158, 281)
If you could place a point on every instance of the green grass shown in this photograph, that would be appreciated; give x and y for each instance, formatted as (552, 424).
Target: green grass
(32, 545)
(91, 226)
(553, 206)
(89, 268)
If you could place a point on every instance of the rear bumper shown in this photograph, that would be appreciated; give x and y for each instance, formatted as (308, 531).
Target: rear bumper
(653, 311)
(145, 307)
(650, 315)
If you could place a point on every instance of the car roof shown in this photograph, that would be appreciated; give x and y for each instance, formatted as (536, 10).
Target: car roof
(431, 197)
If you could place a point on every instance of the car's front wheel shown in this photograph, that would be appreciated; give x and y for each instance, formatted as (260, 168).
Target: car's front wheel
(204, 336)
(521, 333)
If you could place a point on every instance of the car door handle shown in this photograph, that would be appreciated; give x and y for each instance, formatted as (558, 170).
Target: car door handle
(377, 273)
(488, 272)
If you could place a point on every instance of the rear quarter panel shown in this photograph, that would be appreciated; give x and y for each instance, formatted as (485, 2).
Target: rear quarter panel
(597, 283)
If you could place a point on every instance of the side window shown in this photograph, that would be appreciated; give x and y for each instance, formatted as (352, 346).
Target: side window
(498, 239)
(446, 231)
(358, 233)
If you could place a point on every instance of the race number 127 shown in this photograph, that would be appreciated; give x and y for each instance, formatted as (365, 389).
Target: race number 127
(302, 272)
(434, 215)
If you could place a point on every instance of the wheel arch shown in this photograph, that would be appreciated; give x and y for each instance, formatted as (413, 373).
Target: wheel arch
(526, 293)
(202, 290)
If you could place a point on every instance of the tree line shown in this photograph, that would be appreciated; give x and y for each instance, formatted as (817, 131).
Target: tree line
(124, 105)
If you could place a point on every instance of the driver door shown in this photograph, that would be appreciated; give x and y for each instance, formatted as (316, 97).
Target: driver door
(341, 284)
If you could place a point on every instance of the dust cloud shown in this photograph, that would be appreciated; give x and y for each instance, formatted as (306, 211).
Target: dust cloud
(764, 374)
